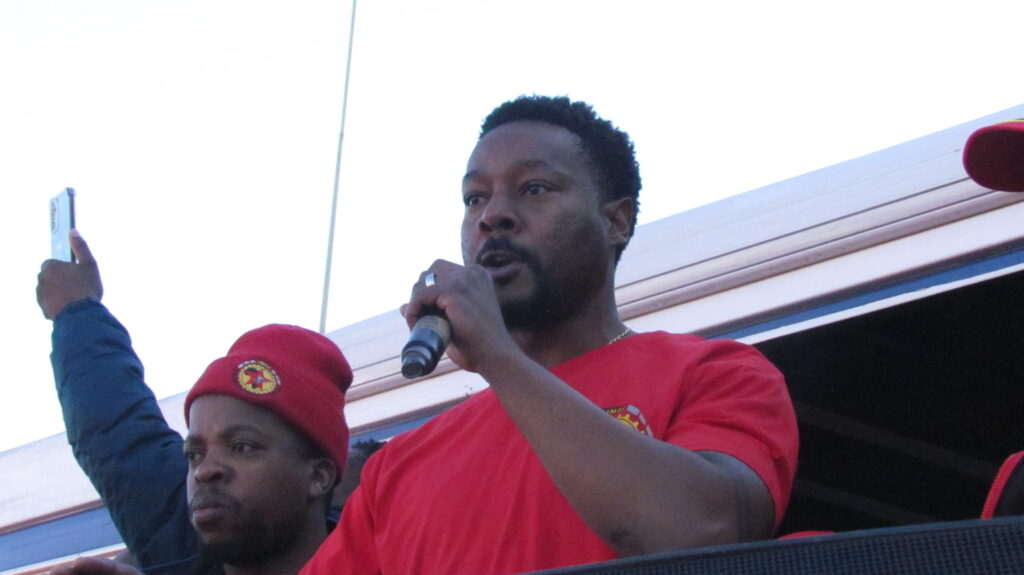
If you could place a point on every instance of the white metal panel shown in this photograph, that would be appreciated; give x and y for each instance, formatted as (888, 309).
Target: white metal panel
(861, 271)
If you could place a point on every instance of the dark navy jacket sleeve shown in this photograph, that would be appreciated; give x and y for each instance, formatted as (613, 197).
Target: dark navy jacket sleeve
(119, 436)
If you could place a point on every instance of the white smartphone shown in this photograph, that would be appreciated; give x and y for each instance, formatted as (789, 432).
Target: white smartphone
(62, 219)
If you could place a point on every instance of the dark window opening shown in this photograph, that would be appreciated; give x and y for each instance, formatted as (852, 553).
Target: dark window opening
(906, 413)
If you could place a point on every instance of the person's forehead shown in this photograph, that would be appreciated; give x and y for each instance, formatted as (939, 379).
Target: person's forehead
(526, 141)
(213, 412)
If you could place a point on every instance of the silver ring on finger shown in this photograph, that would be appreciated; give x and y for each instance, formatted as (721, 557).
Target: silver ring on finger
(430, 279)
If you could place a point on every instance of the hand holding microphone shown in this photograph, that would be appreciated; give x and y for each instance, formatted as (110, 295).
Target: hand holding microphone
(462, 314)
(427, 341)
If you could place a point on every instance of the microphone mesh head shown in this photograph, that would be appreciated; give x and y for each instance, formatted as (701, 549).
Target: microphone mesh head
(416, 362)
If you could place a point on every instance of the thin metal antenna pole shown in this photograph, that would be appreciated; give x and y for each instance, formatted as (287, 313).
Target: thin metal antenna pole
(337, 174)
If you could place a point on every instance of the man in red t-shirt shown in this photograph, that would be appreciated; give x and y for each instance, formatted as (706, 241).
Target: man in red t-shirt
(592, 441)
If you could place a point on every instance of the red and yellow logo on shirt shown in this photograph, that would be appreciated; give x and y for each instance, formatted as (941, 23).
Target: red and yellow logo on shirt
(632, 417)
(257, 377)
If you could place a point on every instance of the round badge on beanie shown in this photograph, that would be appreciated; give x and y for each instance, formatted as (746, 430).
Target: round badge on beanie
(994, 156)
(297, 373)
(257, 377)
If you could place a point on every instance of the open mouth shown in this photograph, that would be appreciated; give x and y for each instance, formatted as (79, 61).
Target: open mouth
(503, 265)
(497, 259)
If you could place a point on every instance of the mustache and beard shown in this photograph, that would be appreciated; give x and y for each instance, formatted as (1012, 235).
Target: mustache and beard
(247, 536)
(551, 301)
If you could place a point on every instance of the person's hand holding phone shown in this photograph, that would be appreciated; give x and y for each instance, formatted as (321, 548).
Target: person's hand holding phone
(61, 283)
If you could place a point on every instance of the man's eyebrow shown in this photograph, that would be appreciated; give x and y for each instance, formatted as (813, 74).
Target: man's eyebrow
(521, 164)
(229, 431)
(242, 428)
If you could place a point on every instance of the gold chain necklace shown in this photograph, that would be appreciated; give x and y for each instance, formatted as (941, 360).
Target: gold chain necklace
(620, 336)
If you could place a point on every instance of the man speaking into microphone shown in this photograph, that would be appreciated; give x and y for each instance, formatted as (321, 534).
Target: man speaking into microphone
(592, 441)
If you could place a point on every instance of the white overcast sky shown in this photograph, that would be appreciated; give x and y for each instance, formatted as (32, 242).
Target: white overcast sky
(201, 137)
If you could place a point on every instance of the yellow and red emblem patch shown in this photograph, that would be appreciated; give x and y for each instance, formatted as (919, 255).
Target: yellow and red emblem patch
(632, 417)
(257, 377)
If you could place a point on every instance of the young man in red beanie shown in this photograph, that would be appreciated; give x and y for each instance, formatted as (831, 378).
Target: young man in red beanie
(266, 445)
(267, 439)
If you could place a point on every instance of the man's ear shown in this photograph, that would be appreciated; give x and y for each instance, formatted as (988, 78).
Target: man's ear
(325, 476)
(619, 214)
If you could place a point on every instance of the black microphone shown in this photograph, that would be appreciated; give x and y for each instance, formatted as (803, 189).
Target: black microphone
(425, 347)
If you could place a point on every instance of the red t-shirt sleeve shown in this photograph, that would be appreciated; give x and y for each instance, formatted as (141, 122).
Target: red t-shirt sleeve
(737, 403)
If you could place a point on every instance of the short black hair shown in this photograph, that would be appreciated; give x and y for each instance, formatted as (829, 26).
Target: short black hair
(608, 148)
(366, 448)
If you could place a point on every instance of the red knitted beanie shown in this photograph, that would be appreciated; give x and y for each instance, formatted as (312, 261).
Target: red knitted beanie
(994, 156)
(298, 374)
